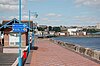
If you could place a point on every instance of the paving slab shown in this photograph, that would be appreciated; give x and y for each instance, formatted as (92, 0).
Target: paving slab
(7, 59)
(50, 54)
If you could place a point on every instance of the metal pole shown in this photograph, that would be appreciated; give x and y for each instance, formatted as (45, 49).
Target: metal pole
(33, 39)
(19, 59)
(29, 33)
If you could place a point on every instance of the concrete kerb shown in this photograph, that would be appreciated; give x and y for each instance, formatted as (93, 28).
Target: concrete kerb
(15, 63)
(28, 60)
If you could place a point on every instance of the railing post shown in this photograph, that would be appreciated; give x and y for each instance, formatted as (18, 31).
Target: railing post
(33, 39)
(29, 34)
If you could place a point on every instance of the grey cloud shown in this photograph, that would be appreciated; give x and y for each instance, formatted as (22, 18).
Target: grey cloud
(93, 3)
(12, 2)
(10, 5)
(34, 0)
(53, 15)
(86, 19)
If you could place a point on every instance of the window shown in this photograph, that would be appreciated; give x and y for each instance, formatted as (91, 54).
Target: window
(13, 39)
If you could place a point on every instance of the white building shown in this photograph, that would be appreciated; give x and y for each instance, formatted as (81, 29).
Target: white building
(81, 33)
(62, 34)
(98, 26)
(63, 28)
(72, 31)
(52, 32)
(39, 33)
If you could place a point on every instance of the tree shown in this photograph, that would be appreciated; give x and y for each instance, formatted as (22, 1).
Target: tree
(40, 29)
(56, 29)
(0, 25)
(91, 30)
(50, 28)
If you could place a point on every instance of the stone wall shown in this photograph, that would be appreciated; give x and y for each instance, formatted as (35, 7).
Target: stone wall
(79, 49)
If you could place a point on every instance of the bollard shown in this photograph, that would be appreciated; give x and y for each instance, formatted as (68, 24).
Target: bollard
(24, 54)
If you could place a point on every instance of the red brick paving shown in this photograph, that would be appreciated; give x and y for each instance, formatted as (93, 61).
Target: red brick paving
(50, 54)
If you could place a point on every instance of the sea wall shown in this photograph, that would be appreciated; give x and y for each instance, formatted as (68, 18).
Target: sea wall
(79, 49)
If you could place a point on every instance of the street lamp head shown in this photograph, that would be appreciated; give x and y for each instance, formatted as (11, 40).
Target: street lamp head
(36, 15)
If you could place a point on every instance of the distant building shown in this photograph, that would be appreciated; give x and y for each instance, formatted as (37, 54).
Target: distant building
(81, 33)
(72, 31)
(63, 28)
(62, 34)
(89, 27)
(52, 32)
(98, 26)
(57, 33)
(39, 33)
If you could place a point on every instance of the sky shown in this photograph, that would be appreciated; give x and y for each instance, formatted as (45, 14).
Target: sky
(54, 12)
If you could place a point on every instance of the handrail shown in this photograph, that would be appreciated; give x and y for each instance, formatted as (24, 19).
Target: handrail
(16, 61)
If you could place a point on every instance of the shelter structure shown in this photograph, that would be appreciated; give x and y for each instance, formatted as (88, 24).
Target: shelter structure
(10, 39)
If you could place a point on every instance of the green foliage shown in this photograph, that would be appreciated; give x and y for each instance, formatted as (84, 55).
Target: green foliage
(50, 28)
(56, 29)
(40, 29)
(91, 30)
(0, 25)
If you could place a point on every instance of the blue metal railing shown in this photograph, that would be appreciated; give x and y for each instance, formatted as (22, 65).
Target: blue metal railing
(33, 39)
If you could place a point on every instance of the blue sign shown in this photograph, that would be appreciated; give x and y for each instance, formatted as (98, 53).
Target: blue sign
(19, 27)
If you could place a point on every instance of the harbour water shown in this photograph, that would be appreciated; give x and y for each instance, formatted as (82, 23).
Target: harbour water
(87, 42)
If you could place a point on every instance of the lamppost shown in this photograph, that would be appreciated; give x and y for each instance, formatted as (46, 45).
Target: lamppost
(36, 15)
(29, 34)
(19, 58)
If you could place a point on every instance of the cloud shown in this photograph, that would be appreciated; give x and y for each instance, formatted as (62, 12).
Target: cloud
(45, 19)
(91, 3)
(24, 17)
(53, 15)
(1, 18)
(38, 0)
(9, 2)
(11, 17)
(54, 20)
(50, 20)
(34, 0)
(86, 19)
(10, 5)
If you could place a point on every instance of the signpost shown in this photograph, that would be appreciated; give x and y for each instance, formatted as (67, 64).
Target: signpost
(19, 27)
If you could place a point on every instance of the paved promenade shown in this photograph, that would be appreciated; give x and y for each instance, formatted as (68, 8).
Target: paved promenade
(50, 54)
